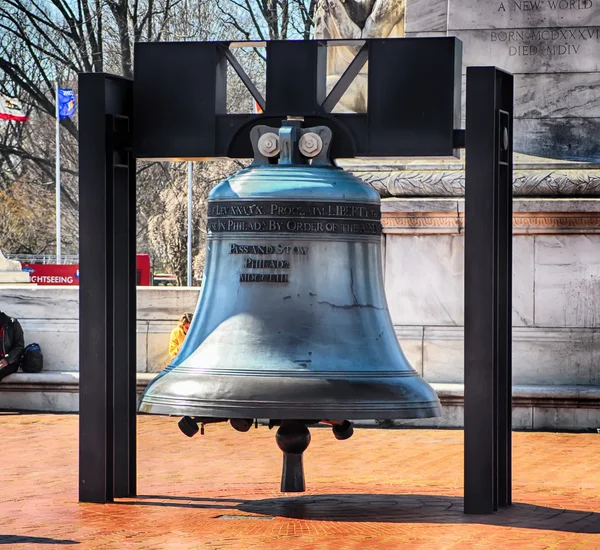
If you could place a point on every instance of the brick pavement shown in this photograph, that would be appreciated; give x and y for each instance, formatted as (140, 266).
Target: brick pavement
(380, 489)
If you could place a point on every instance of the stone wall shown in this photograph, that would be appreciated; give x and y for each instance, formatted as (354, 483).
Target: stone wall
(553, 50)
(50, 317)
(556, 288)
(556, 313)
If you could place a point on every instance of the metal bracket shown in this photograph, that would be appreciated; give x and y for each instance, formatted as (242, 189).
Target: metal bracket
(288, 150)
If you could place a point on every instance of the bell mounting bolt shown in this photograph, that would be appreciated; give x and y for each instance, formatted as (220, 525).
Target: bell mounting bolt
(292, 144)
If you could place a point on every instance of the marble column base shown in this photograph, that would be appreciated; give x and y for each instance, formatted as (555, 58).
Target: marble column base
(14, 277)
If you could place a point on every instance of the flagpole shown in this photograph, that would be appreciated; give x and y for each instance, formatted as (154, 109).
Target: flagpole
(58, 254)
(189, 223)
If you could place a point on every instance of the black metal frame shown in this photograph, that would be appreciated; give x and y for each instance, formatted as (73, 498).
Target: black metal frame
(488, 290)
(400, 121)
(409, 120)
(107, 290)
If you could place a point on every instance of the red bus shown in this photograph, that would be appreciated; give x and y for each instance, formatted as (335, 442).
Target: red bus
(68, 274)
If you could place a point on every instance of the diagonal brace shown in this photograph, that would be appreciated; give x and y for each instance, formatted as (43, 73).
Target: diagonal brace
(346, 79)
(245, 78)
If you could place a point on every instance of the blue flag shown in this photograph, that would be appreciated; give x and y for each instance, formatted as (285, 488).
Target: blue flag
(66, 103)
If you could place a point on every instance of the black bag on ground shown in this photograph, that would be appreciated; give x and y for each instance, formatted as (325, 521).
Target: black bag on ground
(32, 359)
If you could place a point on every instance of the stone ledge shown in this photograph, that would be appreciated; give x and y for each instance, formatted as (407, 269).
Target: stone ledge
(447, 179)
(531, 396)
(57, 382)
(449, 394)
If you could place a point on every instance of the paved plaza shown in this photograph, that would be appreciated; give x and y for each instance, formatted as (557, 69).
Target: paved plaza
(379, 489)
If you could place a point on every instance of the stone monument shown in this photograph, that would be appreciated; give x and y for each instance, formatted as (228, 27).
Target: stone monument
(553, 48)
(355, 19)
(11, 273)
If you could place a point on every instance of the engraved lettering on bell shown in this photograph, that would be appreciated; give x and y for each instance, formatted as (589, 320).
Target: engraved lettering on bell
(235, 248)
(293, 208)
(294, 217)
(263, 278)
(253, 263)
(285, 225)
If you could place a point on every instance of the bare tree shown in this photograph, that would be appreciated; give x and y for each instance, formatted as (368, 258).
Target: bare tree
(167, 229)
(26, 227)
(42, 42)
(269, 19)
(45, 42)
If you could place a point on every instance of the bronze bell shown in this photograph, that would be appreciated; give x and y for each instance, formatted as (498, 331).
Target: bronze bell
(292, 324)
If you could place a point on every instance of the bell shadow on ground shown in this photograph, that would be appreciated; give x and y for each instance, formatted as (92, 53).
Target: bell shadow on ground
(20, 539)
(388, 509)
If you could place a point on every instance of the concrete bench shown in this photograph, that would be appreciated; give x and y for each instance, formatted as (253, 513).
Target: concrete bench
(534, 407)
(49, 391)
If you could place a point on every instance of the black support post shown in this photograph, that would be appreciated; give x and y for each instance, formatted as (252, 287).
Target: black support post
(488, 295)
(107, 312)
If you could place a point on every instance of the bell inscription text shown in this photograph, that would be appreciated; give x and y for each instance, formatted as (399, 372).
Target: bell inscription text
(285, 218)
(294, 217)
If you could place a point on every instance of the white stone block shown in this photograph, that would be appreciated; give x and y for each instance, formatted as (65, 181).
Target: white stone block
(43, 401)
(443, 355)
(59, 341)
(453, 416)
(411, 341)
(523, 282)
(424, 279)
(14, 277)
(532, 50)
(554, 357)
(426, 15)
(551, 418)
(540, 356)
(425, 34)
(557, 95)
(41, 302)
(522, 14)
(567, 280)
(141, 343)
(522, 418)
(158, 345)
(166, 303)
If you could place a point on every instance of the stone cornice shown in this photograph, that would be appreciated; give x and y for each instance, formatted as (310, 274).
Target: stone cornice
(427, 222)
(450, 182)
(447, 217)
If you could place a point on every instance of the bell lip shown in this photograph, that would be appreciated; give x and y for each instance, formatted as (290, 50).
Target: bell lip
(342, 411)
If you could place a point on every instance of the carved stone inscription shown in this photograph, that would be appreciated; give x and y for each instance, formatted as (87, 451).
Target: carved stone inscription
(529, 36)
(293, 217)
(553, 49)
(520, 14)
(251, 262)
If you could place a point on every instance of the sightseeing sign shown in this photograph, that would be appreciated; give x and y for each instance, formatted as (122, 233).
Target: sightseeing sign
(52, 274)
